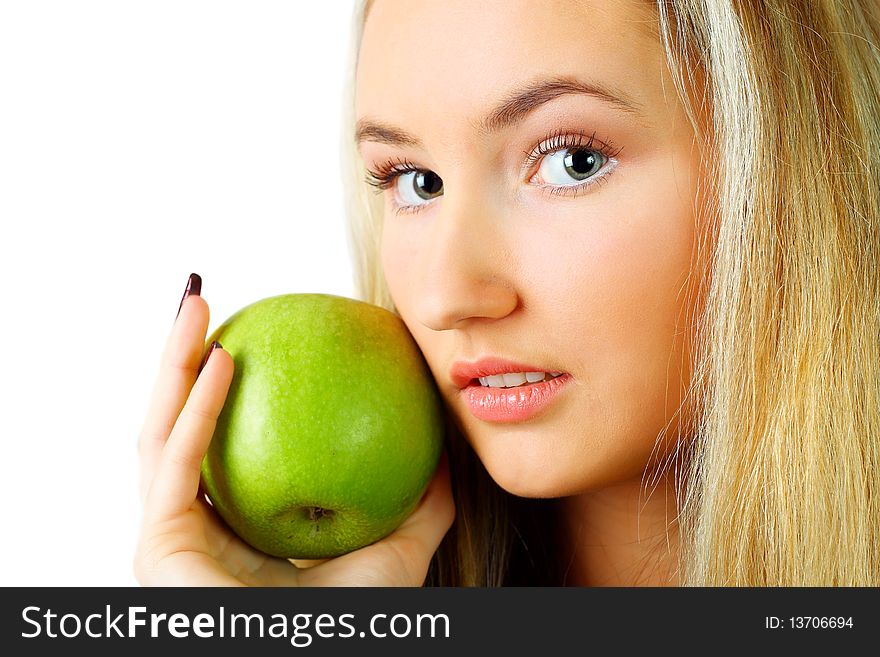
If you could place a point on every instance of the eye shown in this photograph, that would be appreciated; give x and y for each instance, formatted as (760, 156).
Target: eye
(571, 163)
(566, 165)
(416, 187)
(409, 183)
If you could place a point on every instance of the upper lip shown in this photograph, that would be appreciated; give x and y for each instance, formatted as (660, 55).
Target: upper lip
(463, 372)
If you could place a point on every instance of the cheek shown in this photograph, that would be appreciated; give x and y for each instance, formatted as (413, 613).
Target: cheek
(633, 296)
(399, 257)
(396, 258)
(391, 259)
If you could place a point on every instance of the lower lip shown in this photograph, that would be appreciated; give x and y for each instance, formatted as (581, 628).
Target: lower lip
(512, 404)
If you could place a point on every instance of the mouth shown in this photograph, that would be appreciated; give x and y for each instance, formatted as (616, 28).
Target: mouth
(514, 379)
(499, 390)
(515, 403)
(492, 372)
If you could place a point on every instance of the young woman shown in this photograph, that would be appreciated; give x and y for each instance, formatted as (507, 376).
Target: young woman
(638, 245)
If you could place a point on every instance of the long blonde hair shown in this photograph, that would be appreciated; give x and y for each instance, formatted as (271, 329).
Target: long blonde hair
(781, 484)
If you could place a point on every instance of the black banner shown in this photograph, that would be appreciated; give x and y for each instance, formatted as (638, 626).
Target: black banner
(433, 621)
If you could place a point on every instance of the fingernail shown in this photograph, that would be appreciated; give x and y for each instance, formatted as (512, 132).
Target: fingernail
(193, 286)
(214, 345)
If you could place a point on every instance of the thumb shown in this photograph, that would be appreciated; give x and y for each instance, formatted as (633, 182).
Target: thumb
(436, 508)
(418, 538)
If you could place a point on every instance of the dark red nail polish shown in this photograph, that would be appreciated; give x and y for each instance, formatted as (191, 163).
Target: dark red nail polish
(214, 345)
(193, 286)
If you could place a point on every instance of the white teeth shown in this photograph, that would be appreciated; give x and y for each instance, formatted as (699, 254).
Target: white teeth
(496, 381)
(515, 379)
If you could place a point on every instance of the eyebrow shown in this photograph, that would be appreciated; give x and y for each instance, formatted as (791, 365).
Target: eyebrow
(516, 105)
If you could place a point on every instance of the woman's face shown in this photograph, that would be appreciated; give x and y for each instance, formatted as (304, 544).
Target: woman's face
(544, 215)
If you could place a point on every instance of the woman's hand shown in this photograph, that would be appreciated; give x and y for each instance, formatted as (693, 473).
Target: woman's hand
(184, 542)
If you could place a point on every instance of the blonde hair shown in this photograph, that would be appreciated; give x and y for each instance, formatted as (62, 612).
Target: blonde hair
(781, 483)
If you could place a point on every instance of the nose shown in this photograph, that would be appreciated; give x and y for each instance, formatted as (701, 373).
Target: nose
(468, 271)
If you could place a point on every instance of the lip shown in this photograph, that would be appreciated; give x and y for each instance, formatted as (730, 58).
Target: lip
(504, 404)
(463, 373)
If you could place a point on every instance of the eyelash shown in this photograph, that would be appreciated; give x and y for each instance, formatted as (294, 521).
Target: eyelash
(387, 173)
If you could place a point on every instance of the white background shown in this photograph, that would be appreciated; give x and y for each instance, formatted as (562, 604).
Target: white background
(140, 141)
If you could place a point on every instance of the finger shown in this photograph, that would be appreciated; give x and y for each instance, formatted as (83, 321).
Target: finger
(249, 564)
(178, 370)
(418, 538)
(175, 484)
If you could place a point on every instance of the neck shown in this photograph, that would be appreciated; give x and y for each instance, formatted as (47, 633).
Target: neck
(622, 535)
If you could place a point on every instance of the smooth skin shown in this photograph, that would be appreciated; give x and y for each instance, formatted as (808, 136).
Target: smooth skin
(184, 543)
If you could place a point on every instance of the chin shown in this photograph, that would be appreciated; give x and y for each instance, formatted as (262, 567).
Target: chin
(534, 492)
(531, 482)
(526, 472)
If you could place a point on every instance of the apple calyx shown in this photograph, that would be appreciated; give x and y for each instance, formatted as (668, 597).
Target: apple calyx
(316, 513)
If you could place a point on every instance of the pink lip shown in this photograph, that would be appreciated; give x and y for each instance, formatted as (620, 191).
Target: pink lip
(504, 404)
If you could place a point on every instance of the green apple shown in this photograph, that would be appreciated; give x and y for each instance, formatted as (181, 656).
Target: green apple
(331, 430)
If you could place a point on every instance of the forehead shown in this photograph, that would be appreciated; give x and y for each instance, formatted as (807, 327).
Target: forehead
(458, 56)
